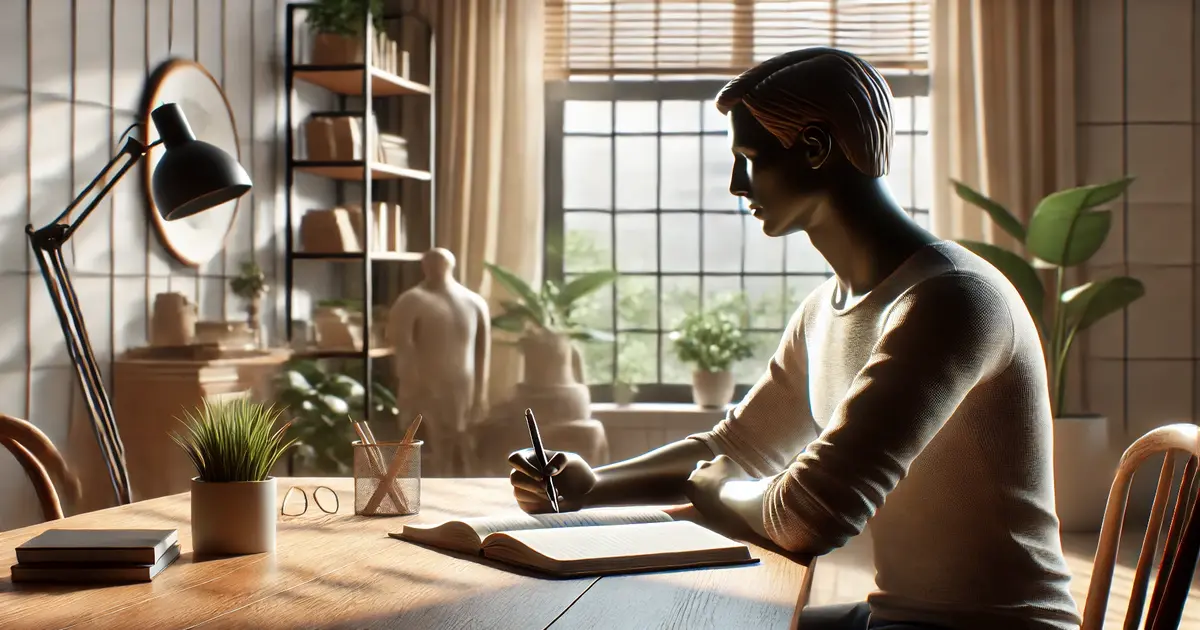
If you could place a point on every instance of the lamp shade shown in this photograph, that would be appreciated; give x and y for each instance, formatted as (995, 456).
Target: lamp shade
(191, 176)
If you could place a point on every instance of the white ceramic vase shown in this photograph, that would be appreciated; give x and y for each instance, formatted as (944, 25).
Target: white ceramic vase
(552, 384)
(233, 518)
(1083, 472)
(712, 389)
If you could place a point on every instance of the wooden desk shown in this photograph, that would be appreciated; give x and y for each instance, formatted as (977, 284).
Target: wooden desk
(343, 571)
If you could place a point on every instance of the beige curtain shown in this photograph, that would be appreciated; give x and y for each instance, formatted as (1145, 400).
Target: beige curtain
(489, 163)
(1003, 108)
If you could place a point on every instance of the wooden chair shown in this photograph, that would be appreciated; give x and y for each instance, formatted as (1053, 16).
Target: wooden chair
(41, 461)
(1182, 544)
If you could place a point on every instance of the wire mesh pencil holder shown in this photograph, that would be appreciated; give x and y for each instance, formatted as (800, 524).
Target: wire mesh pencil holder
(387, 478)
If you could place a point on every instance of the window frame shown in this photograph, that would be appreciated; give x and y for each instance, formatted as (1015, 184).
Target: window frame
(557, 93)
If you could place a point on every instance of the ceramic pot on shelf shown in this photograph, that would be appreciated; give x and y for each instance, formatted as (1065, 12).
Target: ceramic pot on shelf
(233, 518)
(332, 49)
(712, 390)
(174, 320)
(553, 383)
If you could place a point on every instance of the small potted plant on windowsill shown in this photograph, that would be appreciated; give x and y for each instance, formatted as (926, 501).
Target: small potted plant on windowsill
(337, 27)
(233, 445)
(624, 392)
(711, 340)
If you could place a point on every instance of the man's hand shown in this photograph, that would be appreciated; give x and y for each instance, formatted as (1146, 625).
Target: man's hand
(704, 489)
(573, 479)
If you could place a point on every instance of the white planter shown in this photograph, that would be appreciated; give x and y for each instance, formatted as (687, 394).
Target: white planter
(1083, 472)
(712, 389)
(624, 393)
(233, 518)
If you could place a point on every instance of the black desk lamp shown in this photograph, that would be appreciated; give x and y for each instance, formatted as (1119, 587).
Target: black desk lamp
(191, 176)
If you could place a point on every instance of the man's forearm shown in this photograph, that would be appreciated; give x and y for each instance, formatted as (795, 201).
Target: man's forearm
(657, 477)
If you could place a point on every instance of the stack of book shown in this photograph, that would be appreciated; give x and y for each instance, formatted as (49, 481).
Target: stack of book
(96, 555)
(393, 150)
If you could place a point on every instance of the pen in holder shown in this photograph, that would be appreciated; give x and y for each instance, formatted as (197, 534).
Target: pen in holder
(387, 478)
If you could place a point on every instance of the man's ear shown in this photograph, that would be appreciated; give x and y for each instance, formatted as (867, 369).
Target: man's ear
(816, 143)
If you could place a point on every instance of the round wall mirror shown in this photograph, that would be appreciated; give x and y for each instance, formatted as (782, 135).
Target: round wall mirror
(196, 239)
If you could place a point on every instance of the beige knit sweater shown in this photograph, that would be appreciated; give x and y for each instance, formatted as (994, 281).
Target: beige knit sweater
(923, 411)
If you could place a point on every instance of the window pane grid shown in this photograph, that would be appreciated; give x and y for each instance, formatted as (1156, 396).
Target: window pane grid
(664, 220)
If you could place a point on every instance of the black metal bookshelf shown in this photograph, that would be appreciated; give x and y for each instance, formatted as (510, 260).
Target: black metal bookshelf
(369, 84)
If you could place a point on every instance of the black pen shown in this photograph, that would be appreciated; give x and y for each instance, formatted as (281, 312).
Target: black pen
(542, 462)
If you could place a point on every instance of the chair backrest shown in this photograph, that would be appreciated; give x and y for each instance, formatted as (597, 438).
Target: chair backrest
(1179, 551)
(41, 461)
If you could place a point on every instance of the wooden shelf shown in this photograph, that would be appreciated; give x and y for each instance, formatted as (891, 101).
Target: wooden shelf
(348, 80)
(318, 353)
(353, 171)
(353, 256)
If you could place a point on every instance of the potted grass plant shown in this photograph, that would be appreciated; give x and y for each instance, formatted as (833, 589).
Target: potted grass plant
(712, 341)
(1065, 230)
(233, 446)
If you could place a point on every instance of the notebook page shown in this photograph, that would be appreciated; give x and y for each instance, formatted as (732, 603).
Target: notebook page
(622, 541)
(517, 521)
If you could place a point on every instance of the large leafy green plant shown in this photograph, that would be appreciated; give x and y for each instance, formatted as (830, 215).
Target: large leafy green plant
(552, 308)
(344, 17)
(712, 339)
(232, 441)
(1066, 229)
(322, 403)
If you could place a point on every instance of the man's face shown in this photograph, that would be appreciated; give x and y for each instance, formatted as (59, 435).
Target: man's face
(780, 185)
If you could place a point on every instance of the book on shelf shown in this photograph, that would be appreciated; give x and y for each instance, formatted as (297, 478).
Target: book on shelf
(328, 231)
(589, 542)
(96, 555)
(339, 138)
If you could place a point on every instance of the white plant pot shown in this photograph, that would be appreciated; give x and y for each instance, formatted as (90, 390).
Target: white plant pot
(623, 394)
(712, 389)
(233, 518)
(1083, 472)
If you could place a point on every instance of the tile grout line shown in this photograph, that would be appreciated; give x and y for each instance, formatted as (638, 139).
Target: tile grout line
(146, 303)
(112, 212)
(1125, 208)
(28, 204)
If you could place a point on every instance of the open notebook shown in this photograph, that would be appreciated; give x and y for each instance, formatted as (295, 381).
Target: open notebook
(590, 542)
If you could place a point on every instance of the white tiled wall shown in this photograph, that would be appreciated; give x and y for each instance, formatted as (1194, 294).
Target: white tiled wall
(1137, 114)
(72, 75)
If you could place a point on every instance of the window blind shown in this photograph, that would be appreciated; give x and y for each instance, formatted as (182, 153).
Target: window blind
(724, 37)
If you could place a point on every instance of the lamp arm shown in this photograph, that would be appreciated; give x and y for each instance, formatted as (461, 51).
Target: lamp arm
(134, 150)
(47, 243)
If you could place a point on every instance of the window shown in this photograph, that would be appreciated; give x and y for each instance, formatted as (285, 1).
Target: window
(638, 168)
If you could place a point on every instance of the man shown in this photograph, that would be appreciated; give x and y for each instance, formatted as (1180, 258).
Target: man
(908, 391)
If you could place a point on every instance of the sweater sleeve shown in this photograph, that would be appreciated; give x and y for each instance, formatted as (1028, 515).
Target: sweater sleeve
(939, 339)
(765, 431)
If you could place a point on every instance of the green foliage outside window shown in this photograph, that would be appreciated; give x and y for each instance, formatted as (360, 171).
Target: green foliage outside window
(637, 353)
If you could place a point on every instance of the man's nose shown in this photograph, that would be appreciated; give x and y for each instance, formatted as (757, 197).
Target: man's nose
(739, 180)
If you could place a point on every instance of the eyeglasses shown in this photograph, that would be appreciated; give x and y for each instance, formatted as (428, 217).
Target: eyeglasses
(330, 497)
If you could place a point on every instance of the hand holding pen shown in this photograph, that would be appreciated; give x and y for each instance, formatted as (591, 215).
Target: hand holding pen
(543, 464)
(563, 476)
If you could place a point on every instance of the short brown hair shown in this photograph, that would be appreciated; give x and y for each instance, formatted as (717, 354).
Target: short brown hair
(820, 85)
